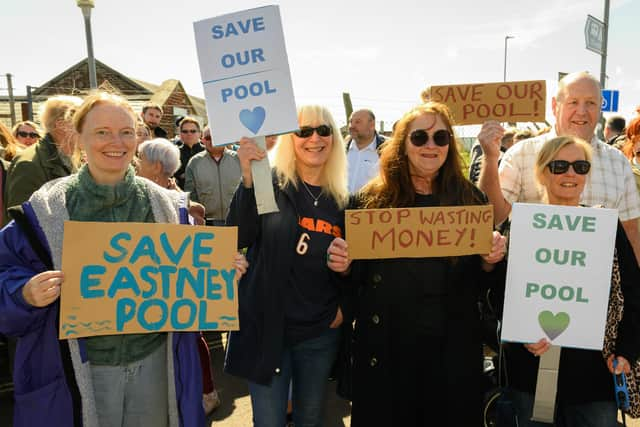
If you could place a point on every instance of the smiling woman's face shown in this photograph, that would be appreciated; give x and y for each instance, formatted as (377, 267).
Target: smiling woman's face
(108, 137)
(566, 188)
(313, 151)
(425, 161)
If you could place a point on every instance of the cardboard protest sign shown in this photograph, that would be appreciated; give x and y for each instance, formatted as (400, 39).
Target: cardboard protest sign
(130, 278)
(476, 103)
(245, 73)
(559, 274)
(419, 232)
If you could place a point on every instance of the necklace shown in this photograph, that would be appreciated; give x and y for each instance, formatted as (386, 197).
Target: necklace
(315, 199)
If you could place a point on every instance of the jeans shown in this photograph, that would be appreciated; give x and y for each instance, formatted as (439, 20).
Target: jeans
(133, 395)
(307, 365)
(591, 414)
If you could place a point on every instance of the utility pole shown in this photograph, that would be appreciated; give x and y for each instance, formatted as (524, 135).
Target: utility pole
(12, 101)
(506, 38)
(348, 107)
(29, 103)
(605, 36)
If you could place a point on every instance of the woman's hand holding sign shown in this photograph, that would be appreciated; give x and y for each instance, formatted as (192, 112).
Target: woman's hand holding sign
(241, 264)
(43, 289)
(338, 256)
(538, 348)
(498, 249)
(248, 152)
(623, 365)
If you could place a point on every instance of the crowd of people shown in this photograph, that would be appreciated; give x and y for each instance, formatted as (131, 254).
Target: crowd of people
(402, 336)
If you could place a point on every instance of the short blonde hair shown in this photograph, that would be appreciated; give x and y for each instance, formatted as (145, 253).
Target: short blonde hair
(17, 126)
(56, 108)
(335, 170)
(550, 149)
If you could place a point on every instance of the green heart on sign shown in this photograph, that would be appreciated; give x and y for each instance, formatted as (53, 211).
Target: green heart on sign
(553, 325)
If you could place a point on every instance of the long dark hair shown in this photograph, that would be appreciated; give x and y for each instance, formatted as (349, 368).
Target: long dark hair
(393, 188)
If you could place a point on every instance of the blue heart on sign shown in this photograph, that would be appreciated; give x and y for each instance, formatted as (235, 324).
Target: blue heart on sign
(253, 120)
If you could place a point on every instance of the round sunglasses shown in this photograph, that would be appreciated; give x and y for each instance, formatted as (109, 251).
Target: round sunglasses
(307, 131)
(24, 134)
(420, 137)
(557, 167)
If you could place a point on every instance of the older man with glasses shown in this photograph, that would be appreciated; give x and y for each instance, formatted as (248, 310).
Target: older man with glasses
(576, 108)
(189, 145)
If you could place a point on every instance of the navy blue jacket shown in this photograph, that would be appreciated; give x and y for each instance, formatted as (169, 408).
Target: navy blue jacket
(254, 352)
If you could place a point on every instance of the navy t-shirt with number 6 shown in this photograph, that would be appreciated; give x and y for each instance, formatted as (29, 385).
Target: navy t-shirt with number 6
(311, 296)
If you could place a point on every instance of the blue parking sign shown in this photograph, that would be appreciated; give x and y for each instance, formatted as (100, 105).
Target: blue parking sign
(610, 100)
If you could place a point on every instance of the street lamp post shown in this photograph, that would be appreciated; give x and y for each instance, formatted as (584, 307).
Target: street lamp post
(505, 56)
(86, 6)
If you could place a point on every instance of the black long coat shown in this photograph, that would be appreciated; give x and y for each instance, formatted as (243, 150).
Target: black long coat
(386, 300)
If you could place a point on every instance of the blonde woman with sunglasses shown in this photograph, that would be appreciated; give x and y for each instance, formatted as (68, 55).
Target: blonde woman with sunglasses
(585, 395)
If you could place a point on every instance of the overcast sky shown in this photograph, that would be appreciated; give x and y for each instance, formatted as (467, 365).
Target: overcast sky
(382, 52)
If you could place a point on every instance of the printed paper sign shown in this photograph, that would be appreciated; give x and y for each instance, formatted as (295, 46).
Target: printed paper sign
(505, 102)
(419, 232)
(559, 274)
(245, 73)
(130, 278)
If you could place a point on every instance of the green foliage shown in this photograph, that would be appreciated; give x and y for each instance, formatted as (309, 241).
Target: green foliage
(466, 160)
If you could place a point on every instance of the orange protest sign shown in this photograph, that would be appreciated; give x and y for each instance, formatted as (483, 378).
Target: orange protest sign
(419, 232)
(523, 101)
(128, 278)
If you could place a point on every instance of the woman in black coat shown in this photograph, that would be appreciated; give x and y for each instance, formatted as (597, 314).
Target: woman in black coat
(417, 353)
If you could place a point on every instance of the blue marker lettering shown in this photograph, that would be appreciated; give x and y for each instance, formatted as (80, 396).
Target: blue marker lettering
(228, 276)
(148, 304)
(175, 311)
(124, 280)
(145, 247)
(202, 318)
(174, 257)
(125, 311)
(166, 271)
(199, 250)
(87, 282)
(213, 289)
(115, 245)
(197, 283)
(145, 275)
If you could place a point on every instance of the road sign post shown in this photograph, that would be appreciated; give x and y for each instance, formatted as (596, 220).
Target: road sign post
(610, 101)
(594, 34)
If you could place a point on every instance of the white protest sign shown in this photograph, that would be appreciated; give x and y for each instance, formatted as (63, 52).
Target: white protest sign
(245, 73)
(559, 274)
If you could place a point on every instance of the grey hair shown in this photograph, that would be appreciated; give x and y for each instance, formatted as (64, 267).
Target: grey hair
(163, 151)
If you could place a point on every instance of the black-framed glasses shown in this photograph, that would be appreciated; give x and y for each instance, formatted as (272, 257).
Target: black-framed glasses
(307, 131)
(557, 167)
(189, 130)
(420, 137)
(23, 134)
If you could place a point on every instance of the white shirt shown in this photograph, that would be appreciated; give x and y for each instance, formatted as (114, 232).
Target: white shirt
(363, 164)
(610, 183)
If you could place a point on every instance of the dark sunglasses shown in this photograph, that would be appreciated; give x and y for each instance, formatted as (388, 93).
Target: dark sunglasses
(557, 167)
(420, 137)
(307, 131)
(24, 134)
(189, 130)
